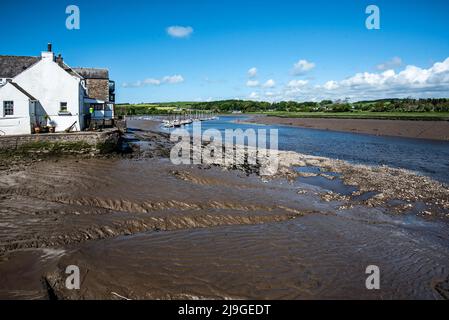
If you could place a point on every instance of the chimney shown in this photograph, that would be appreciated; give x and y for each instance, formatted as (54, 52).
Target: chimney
(60, 60)
(48, 55)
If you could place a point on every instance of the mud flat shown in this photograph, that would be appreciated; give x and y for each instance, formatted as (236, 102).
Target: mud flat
(435, 130)
(142, 228)
(399, 189)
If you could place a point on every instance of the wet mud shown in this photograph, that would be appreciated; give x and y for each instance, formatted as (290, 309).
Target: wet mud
(142, 228)
(433, 130)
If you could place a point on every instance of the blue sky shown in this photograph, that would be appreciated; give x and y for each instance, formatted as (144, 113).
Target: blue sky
(337, 55)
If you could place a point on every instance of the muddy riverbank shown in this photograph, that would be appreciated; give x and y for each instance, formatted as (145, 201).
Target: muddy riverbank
(142, 228)
(434, 130)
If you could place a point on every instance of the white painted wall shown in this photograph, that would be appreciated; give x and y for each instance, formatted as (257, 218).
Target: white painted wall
(50, 84)
(19, 122)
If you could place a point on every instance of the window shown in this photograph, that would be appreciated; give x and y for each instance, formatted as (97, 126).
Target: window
(8, 108)
(63, 107)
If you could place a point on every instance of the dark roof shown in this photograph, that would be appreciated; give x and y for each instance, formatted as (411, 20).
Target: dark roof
(22, 90)
(92, 73)
(11, 66)
(70, 71)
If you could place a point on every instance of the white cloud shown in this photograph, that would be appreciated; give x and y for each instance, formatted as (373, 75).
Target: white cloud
(255, 83)
(132, 85)
(253, 95)
(154, 82)
(331, 85)
(412, 78)
(252, 72)
(302, 66)
(179, 31)
(252, 83)
(151, 81)
(177, 78)
(411, 81)
(297, 83)
(395, 62)
(269, 84)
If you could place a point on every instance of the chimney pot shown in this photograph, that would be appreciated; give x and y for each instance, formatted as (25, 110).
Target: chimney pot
(60, 60)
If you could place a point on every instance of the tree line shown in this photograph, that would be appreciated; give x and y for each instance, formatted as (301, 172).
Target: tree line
(245, 106)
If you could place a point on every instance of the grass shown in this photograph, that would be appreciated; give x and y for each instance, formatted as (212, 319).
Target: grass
(142, 109)
(159, 106)
(179, 104)
(439, 116)
(148, 106)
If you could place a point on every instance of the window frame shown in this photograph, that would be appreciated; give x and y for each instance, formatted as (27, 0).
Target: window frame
(9, 108)
(61, 107)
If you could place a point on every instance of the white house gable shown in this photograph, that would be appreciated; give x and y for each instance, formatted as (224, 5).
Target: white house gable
(16, 108)
(58, 92)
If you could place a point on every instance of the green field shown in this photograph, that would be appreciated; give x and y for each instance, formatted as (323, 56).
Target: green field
(394, 109)
(365, 115)
(149, 105)
(143, 109)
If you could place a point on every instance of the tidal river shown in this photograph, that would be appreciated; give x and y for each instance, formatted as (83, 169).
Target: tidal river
(141, 227)
(427, 157)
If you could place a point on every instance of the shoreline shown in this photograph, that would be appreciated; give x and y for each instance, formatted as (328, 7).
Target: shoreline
(416, 129)
(158, 228)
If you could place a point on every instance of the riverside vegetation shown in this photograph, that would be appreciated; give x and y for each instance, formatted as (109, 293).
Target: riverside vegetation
(414, 109)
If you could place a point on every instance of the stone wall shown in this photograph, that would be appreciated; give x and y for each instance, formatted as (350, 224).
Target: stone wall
(94, 139)
(98, 89)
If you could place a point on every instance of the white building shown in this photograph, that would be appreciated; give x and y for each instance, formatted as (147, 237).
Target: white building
(42, 92)
(18, 113)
